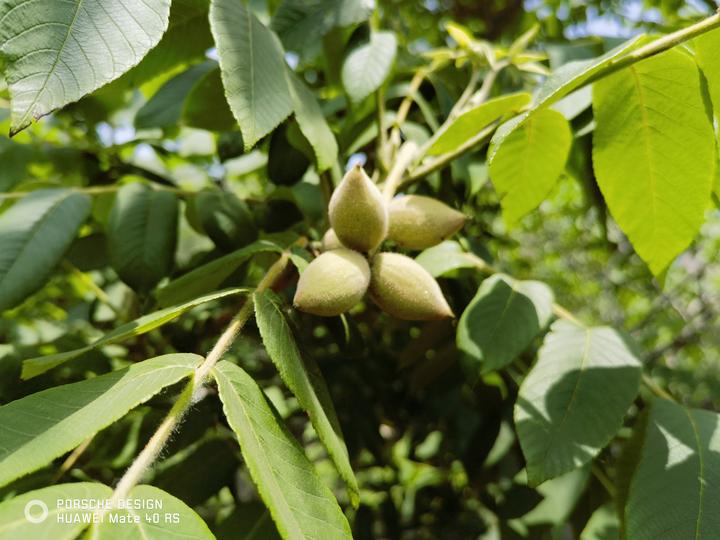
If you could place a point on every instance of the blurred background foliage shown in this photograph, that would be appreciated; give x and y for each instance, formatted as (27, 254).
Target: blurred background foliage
(430, 438)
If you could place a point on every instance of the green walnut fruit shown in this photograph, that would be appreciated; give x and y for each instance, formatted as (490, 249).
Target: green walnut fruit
(332, 283)
(358, 213)
(404, 289)
(330, 241)
(418, 222)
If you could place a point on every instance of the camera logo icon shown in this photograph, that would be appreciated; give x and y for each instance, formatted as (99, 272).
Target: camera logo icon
(36, 511)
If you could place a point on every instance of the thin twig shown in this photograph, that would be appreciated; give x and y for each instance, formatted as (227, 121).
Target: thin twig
(405, 156)
(72, 459)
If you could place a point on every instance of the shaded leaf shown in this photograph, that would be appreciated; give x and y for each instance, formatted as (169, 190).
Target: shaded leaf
(165, 108)
(502, 320)
(300, 504)
(206, 107)
(368, 66)
(35, 233)
(225, 218)
(142, 233)
(209, 276)
(675, 488)
(40, 427)
(574, 399)
(302, 375)
(446, 257)
(33, 367)
(56, 52)
(654, 154)
(706, 51)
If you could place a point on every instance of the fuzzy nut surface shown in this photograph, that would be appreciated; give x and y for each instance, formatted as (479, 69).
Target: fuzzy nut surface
(330, 240)
(358, 213)
(404, 289)
(418, 222)
(332, 283)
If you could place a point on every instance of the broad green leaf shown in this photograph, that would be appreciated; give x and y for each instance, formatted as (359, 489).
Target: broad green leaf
(209, 276)
(446, 257)
(142, 233)
(526, 164)
(35, 233)
(253, 69)
(15, 159)
(300, 504)
(302, 375)
(675, 489)
(165, 108)
(250, 521)
(176, 519)
(56, 52)
(312, 123)
(58, 523)
(574, 399)
(473, 121)
(654, 154)
(706, 52)
(42, 426)
(302, 23)
(502, 320)
(604, 524)
(206, 107)
(368, 66)
(33, 367)
(566, 79)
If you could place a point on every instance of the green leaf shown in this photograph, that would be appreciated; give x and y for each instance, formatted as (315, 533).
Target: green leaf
(566, 79)
(312, 123)
(226, 219)
(473, 121)
(502, 320)
(142, 233)
(300, 504)
(58, 524)
(604, 524)
(55, 53)
(652, 128)
(574, 399)
(526, 157)
(32, 367)
(186, 40)
(302, 23)
(40, 427)
(35, 233)
(253, 69)
(675, 488)
(184, 522)
(446, 257)
(706, 51)
(209, 276)
(368, 66)
(302, 375)
(165, 108)
(249, 521)
(206, 107)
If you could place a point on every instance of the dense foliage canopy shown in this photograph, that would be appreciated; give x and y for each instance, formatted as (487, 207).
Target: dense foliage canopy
(510, 332)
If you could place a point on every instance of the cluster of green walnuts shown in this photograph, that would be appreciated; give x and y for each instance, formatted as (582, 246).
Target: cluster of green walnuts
(349, 266)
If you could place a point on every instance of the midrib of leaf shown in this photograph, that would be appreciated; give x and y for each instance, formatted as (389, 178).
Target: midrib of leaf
(513, 291)
(33, 230)
(583, 361)
(276, 487)
(701, 475)
(43, 87)
(646, 140)
(251, 533)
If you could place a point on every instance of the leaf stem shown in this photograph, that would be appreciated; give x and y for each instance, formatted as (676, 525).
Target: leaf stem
(190, 393)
